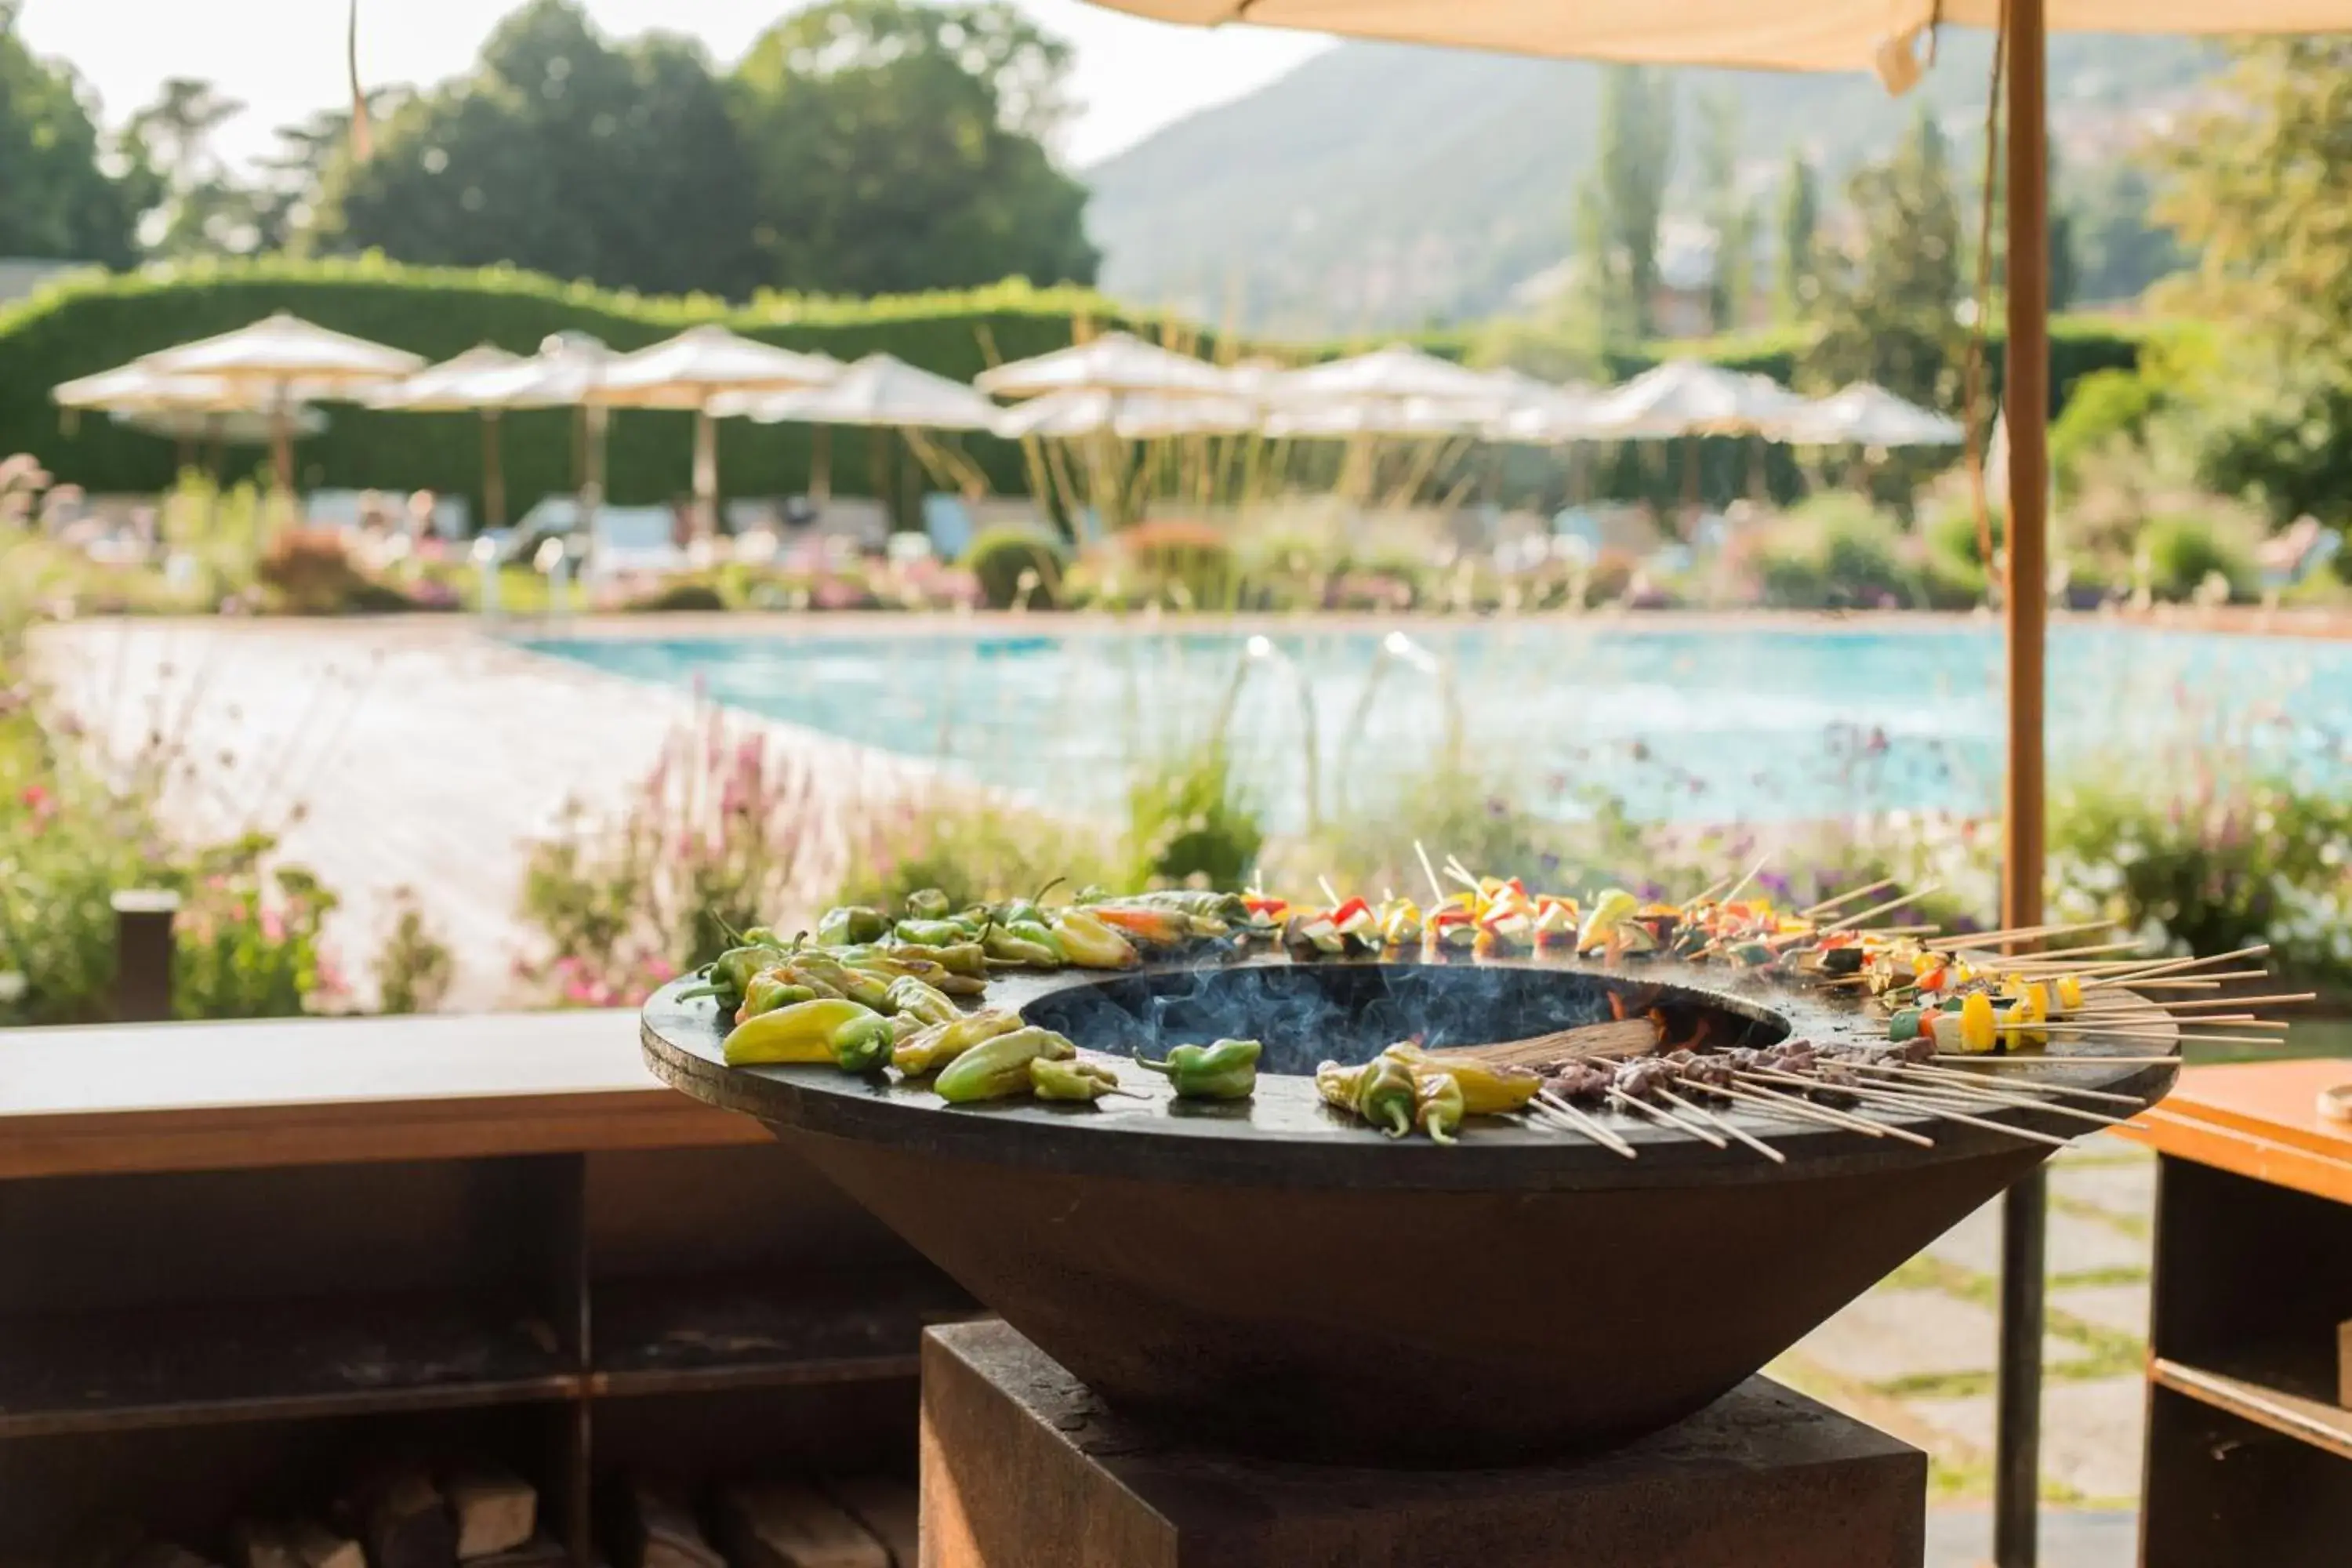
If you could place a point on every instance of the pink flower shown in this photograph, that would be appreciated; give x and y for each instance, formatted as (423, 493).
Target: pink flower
(38, 800)
(661, 970)
(273, 926)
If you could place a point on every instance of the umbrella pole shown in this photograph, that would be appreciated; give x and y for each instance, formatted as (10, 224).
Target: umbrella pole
(494, 478)
(592, 483)
(706, 474)
(2018, 1407)
(282, 444)
(821, 464)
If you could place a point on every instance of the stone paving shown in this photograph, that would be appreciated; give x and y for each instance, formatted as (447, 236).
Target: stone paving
(1916, 1357)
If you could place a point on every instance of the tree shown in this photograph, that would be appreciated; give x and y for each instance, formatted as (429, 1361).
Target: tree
(561, 153)
(204, 209)
(1800, 289)
(896, 146)
(1623, 199)
(2119, 247)
(57, 198)
(1728, 216)
(1890, 312)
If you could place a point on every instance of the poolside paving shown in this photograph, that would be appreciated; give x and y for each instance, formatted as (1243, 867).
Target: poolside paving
(419, 752)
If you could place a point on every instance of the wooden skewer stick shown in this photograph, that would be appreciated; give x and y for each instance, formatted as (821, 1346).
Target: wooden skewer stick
(2065, 958)
(2081, 1061)
(2243, 1020)
(1704, 1134)
(2174, 966)
(1708, 894)
(1868, 1094)
(1619, 1037)
(1740, 886)
(1575, 1117)
(1723, 1125)
(1436, 888)
(1816, 910)
(1997, 1097)
(1850, 921)
(1771, 1102)
(2276, 999)
(1990, 939)
(2022, 1086)
(2201, 982)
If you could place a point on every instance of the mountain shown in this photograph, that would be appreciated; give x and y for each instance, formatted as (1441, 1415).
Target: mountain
(1382, 186)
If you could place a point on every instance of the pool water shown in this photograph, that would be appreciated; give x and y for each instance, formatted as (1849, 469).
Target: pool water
(1737, 724)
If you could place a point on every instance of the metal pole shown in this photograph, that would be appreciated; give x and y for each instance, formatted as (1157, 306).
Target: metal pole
(494, 481)
(2018, 1413)
(142, 955)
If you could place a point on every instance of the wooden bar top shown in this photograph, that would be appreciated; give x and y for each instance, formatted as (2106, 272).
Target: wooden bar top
(2260, 1120)
(297, 1091)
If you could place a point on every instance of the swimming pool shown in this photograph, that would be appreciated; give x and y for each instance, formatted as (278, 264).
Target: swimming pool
(1738, 723)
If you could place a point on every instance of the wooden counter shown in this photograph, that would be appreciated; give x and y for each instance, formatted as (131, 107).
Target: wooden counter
(186, 1097)
(238, 1258)
(2248, 1454)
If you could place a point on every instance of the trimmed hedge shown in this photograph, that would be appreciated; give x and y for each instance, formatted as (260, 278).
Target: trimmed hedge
(93, 325)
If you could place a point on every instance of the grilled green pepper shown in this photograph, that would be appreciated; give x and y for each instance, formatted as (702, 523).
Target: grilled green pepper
(864, 1044)
(999, 1069)
(1438, 1105)
(966, 957)
(1050, 1078)
(1201, 902)
(732, 972)
(768, 991)
(928, 904)
(937, 1046)
(1486, 1090)
(1091, 945)
(1225, 1070)
(911, 998)
(1381, 1091)
(802, 1032)
(851, 924)
(933, 933)
(1001, 942)
(823, 973)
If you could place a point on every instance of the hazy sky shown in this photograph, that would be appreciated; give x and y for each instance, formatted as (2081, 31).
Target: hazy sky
(285, 58)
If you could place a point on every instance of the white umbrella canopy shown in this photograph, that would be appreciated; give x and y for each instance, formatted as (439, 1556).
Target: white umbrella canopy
(1412, 419)
(1542, 413)
(1129, 416)
(237, 427)
(1867, 414)
(1396, 373)
(285, 348)
(688, 371)
(1692, 397)
(454, 385)
(133, 388)
(1113, 362)
(275, 357)
(880, 390)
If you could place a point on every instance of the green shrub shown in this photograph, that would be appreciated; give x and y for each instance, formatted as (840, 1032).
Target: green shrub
(414, 971)
(686, 594)
(309, 572)
(2108, 405)
(1836, 552)
(2182, 552)
(1187, 563)
(976, 850)
(1016, 565)
(1188, 822)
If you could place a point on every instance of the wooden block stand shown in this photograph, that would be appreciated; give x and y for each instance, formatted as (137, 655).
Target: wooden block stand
(1023, 1467)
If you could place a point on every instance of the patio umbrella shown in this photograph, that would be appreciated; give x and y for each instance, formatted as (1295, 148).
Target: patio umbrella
(1692, 397)
(455, 385)
(183, 409)
(880, 391)
(566, 373)
(1128, 415)
(1867, 414)
(1394, 374)
(235, 428)
(1113, 362)
(270, 360)
(687, 372)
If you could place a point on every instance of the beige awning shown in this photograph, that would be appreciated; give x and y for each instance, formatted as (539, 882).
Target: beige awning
(1810, 35)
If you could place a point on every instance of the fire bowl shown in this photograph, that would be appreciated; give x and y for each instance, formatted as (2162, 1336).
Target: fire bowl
(1276, 1279)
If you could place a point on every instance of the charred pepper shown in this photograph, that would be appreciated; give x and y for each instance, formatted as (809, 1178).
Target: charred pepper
(1050, 1078)
(965, 958)
(768, 991)
(864, 1044)
(731, 973)
(1486, 1090)
(1091, 945)
(1224, 1070)
(928, 904)
(851, 924)
(911, 998)
(1381, 1091)
(1002, 942)
(936, 1047)
(933, 932)
(802, 1032)
(999, 1069)
(1439, 1105)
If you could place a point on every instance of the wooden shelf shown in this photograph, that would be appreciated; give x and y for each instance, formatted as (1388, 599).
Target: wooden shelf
(2263, 1401)
(674, 1336)
(119, 1371)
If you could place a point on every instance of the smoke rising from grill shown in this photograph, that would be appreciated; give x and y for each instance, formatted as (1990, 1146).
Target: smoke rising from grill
(1308, 1014)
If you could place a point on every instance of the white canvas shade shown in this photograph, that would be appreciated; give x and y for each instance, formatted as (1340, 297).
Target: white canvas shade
(1114, 362)
(1867, 414)
(880, 389)
(457, 385)
(1131, 416)
(1692, 397)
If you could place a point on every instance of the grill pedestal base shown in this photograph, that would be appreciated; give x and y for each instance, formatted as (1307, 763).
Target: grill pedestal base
(1023, 1467)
